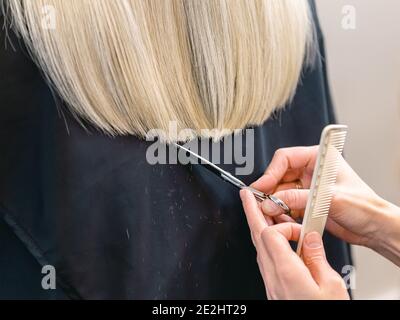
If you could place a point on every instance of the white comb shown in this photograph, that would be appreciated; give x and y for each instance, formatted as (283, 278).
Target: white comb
(324, 178)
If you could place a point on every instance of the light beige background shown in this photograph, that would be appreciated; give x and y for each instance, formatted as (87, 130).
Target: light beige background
(364, 73)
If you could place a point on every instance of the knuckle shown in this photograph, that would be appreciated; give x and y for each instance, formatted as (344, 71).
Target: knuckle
(286, 274)
(314, 259)
(292, 197)
(267, 234)
(336, 281)
(335, 286)
(273, 291)
(280, 152)
(253, 238)
(314, 149)
(259, 262)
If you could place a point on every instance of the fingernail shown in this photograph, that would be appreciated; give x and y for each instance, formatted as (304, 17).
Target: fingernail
(269, 207)
(313, 240)
(242, 194)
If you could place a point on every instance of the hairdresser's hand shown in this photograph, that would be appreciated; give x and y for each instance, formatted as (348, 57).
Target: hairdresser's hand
(285, 275)
(357, 214)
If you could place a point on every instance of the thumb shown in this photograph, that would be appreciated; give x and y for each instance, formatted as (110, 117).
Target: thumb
(295, 199)
(314, 257)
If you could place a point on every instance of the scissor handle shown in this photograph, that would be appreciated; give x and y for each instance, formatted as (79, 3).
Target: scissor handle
(261, 196)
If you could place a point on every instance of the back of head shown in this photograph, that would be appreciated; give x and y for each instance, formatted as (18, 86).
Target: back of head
(130, 66)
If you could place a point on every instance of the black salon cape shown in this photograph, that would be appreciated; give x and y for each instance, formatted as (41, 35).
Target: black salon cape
(114, 226)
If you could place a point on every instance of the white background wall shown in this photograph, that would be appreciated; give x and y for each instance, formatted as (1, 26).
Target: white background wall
(364, 73)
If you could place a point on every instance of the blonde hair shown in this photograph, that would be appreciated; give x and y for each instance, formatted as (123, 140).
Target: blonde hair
(129, 66)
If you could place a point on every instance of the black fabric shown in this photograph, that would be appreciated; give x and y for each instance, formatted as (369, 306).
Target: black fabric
(115, 226)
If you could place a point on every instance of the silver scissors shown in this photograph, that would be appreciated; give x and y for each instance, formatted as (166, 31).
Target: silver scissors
(260, 196)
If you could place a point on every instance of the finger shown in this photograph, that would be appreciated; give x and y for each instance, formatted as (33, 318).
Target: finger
(266, 267)
(314, 258)
(284, 160)
(254, 215)
(283, 267)
(270, 221)
(292, 175)
(295, 199)
(276, 241)
(291, 231)
(296, 184)
(283, 218)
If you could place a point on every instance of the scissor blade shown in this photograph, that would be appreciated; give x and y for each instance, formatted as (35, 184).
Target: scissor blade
(260, 196)
(224, 174)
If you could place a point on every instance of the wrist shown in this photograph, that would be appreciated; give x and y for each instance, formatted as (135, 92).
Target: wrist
(386, 238)
(389, 244)
(371, 217)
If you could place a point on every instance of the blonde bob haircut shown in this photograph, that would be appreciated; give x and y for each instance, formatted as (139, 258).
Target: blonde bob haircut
(129, 66)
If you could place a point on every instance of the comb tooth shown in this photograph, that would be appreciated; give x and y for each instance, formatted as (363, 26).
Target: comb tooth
(331, 162)
(323, 205)
(338, 147)
(321, 211)
(328, 178)
(320, 215)
(330, 171)
(325, 194)
(323, 208)
(338, 136)
(337, 142)
(325, 201)
(323, 198)
(327, 173)
(326, 182)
